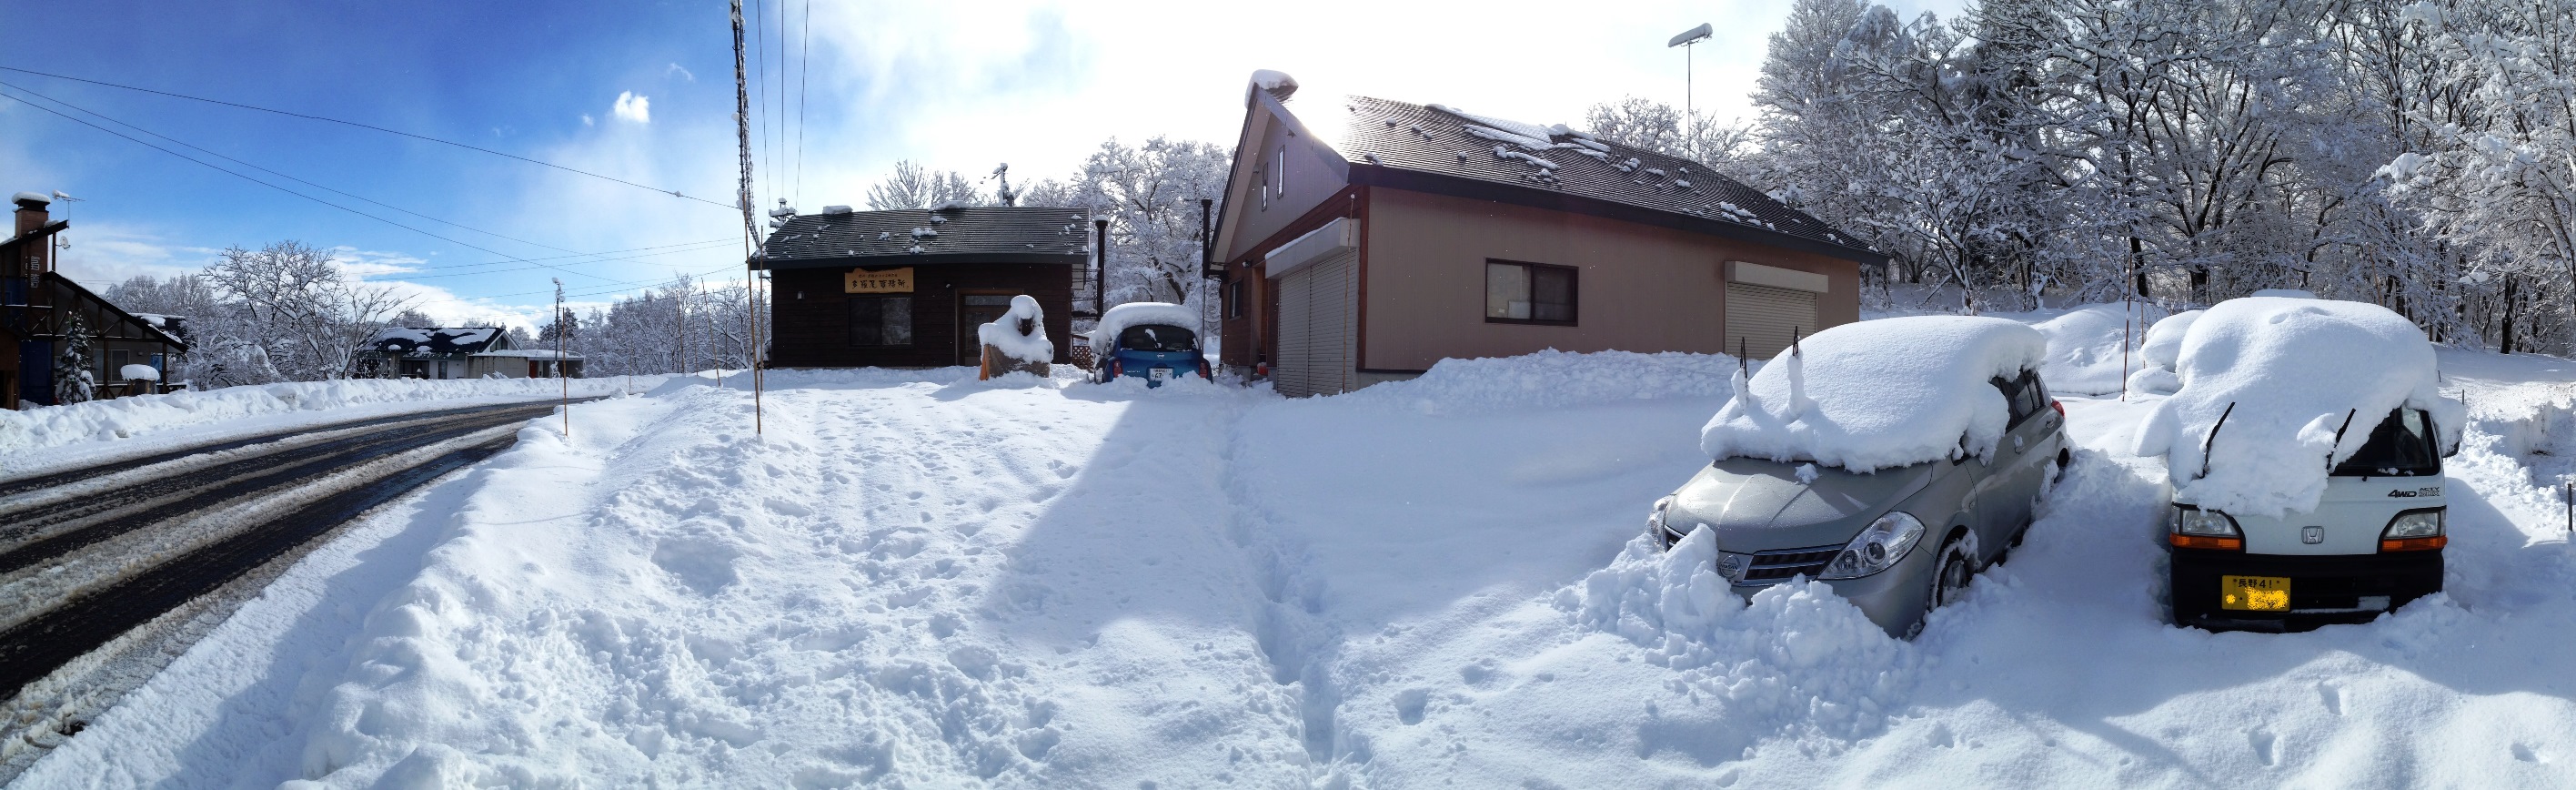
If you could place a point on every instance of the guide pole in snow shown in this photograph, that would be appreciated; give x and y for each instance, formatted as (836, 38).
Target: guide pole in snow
(750, 228)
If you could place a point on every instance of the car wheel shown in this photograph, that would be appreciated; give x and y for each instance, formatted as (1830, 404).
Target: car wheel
(1951, 574)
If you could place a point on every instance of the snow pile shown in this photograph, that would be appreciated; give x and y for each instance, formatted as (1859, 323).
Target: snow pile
(123, 418)
(1550, 379)
(1119, 318)
(1004, 332)
(1879, 394)
(2294, 370)
(144, 372)
(2161, 352)
(1798, 657)
(2085, 344)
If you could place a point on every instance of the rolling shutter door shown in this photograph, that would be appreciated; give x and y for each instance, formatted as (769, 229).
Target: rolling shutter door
(1318, 325)
(1761, 318)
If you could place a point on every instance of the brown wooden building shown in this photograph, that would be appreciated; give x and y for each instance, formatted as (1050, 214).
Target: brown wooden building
(1387, 236)
(907, 288)
(35, 305)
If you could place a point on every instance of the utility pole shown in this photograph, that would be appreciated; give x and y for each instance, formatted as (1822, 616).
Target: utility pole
(559, 358)
(750, 227)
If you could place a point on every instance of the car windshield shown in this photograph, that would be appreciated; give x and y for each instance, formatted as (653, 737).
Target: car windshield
(2402, 445)
(1157, 337)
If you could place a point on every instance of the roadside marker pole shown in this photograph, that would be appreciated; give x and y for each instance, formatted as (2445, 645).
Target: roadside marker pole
(750, 231)
(559, 358)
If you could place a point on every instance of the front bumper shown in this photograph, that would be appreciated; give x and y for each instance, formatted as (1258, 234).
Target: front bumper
(2324, 589)
(1894, 598)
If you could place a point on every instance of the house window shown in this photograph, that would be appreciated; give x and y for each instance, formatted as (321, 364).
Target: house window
(881, 321)
(1279, 163)
(116, 362)
(1528, 293)
(1234, 299)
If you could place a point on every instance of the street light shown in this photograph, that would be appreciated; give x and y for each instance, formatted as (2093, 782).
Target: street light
(1685, 40)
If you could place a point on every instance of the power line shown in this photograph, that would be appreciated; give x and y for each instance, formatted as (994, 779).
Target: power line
(672, 192)
(253, 166)
(726, 240)
(698, 248)
(760, 85)
(255, 180)
(602, 288)
(804, 61)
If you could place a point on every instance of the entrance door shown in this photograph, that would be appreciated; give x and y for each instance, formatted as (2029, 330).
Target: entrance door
(974, 310)
(1318, 324)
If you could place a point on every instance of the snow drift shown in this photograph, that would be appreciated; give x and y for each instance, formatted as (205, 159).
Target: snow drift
(1879, 394)
(2085, 347)
(2293, 370)
(123, 418)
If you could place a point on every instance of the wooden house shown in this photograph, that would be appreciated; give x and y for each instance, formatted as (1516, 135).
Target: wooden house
(38, 304)
(907, 288)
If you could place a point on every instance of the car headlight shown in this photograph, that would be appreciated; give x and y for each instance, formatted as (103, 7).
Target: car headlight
(1876, 548)
(2189, 520)
(2413, 524)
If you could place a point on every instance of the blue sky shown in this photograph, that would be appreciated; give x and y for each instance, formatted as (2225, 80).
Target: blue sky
(957, 86)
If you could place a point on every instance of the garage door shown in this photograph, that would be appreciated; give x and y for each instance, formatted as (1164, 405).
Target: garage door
(1760, 318)
(1318, 324)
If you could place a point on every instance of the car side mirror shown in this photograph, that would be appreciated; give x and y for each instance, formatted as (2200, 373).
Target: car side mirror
(1963, 454)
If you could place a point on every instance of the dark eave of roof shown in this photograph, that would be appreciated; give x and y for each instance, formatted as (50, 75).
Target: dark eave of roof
(1480, 189)
(47, 229)
(86, 293)
(923, 259)
(981, 234)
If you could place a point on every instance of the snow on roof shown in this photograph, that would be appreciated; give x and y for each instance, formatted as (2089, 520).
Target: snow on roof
(1879, 394)
(28, 197)
(144, 372)
(433, 339)
(2294, 369)
(1004, 332)
(1119, 318)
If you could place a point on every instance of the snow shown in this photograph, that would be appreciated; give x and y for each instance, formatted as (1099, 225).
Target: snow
(2285, 373)
(1879, 394)
(144, 372)
(2084, 347)
(1538, 136)
(79, 428)
(1004, 333)
(529, 353)
(31, 197)
(1119, 318)
(917, 579)
(1269, 80)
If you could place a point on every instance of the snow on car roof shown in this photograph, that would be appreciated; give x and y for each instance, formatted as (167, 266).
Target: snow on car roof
(1119, 318)
(2294, 370)
(1879, 394)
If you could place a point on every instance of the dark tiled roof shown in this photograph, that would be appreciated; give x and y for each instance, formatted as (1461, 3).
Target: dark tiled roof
(430, 340)
(1442, 141)
(1006, 233)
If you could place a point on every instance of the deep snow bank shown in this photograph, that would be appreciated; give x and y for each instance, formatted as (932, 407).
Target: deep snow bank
(2085, 343)
(1549, 379)
(125, 418)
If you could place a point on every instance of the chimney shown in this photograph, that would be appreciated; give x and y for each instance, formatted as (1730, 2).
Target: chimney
(31, 211)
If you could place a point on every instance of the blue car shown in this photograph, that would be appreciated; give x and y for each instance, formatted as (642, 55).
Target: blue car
(1153, 352)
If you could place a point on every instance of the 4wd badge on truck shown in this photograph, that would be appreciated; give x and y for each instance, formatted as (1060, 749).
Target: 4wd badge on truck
(2425, 491)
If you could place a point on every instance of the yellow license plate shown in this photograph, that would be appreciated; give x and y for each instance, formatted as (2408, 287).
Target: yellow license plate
(2254, 593)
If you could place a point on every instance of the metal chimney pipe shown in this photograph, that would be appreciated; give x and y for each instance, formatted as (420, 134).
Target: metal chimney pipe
(1207, 241)
(1100, 283)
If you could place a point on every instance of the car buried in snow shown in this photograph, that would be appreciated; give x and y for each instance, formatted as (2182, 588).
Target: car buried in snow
(2304, 465)
(1892, 460)
(1153, 341)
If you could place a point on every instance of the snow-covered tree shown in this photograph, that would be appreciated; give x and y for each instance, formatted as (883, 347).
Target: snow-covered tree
(75, 381)
(914, 186)
(1150, 195)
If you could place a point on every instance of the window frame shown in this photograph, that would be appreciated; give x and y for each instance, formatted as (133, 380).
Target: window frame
(911, 334)
(1234, 298)
(1573, 293)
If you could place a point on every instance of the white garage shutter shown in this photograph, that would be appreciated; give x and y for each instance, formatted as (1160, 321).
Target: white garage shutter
(1760, 318)
(1318, 325)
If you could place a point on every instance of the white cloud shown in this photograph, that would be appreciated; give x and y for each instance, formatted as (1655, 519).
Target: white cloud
(586, 120)
(684, 73)
(631, 107)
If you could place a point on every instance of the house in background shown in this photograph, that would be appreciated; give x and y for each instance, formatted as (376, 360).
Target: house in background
(1387, 236)
(524, 363)
(37, 304)
(906, 288)
(432, 352)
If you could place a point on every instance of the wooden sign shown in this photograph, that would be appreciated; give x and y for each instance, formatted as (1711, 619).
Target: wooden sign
(889, 281)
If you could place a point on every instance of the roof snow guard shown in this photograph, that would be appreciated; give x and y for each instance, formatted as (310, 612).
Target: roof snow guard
(1554, 160)
(947, 234)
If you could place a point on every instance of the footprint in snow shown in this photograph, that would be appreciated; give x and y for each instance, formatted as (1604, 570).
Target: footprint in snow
(2262, 741)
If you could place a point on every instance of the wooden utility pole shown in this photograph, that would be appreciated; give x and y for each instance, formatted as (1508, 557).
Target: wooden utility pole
(559, 358)
(750, 227)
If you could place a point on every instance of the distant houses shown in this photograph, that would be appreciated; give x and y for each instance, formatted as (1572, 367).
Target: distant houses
(467, 352)
(40, 309)
(1380, 237)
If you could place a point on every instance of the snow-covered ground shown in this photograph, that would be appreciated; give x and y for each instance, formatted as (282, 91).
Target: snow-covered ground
(916, 578)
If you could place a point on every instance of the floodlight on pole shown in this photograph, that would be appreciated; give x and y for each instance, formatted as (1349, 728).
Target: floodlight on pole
(1685, 40)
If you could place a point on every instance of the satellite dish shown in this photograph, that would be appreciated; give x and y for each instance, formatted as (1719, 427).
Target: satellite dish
(1692, 35)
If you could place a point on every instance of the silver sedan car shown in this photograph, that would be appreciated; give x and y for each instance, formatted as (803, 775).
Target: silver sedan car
(1895, 542)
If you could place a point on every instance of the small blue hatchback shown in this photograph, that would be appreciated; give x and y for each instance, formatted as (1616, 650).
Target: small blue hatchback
(1153, 352)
